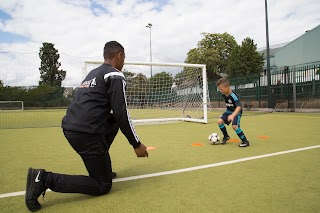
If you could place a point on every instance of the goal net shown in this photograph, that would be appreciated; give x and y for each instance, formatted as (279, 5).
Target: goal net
(11, 105)
(164, 92)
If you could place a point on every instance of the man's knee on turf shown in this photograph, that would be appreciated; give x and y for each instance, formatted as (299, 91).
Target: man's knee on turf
(105, 188)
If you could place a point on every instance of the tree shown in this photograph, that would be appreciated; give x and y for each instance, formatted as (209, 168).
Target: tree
(180, 77)
(161, 86)
(49, 69)
(45, 96)
(127, 74)
(137, 89)
(8, 93)
(245, 60)
(213, 50)
(161, 81)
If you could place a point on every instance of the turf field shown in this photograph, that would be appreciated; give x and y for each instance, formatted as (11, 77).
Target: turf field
(279, 172)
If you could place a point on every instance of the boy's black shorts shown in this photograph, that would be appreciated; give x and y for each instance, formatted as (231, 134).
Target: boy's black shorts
(236, 120)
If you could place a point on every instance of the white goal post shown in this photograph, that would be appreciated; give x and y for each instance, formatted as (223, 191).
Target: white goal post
(164, 92)
(11, 105)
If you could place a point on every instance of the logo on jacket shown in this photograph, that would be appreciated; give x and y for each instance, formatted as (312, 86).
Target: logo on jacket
(90, 83)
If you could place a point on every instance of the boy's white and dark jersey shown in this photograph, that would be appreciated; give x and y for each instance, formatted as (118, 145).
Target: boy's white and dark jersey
(232, 101)
(101, 92)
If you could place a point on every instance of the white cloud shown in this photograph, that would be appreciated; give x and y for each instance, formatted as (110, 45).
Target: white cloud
(80, 28)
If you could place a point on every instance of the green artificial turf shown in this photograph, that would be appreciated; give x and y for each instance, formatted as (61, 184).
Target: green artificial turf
(281, 183)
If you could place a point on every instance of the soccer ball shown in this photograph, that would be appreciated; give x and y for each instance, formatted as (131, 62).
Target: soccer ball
(214, 138)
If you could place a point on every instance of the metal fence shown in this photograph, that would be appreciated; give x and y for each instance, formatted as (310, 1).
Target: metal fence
(291, 87)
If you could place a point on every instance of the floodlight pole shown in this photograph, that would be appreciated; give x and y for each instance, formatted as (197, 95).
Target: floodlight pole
(270, 105)
(149, 26)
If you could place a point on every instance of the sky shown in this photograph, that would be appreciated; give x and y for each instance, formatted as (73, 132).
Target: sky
(80, 28)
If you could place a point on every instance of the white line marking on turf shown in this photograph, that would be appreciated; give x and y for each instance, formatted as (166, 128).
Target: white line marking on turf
(295, 116)
(213, 165)
(189, 169)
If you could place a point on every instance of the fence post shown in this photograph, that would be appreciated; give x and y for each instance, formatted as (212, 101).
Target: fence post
(294, 88)
(313, 82)
(258, 90)
(287, 80)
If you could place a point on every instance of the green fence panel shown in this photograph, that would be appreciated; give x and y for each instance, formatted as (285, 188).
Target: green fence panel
(254, 88)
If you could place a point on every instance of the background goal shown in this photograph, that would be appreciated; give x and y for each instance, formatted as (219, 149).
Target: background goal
(164, 92)
(11, 105)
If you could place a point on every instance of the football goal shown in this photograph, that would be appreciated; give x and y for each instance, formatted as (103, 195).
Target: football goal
(164, 92)
(11, 105)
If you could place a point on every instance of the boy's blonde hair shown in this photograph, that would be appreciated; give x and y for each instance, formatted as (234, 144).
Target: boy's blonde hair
(223, 81)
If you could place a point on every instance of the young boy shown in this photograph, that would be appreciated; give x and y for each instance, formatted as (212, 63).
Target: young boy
(232, 114)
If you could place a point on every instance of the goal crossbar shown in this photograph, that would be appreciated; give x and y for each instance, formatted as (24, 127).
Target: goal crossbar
(153, 64)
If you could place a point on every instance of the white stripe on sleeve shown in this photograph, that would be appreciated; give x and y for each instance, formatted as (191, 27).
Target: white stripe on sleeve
(128, 114)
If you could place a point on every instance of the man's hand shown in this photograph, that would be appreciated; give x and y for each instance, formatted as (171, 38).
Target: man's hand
(141, 151)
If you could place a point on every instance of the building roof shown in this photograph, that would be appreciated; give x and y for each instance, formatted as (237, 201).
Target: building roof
(289, 43)
(272, 49)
